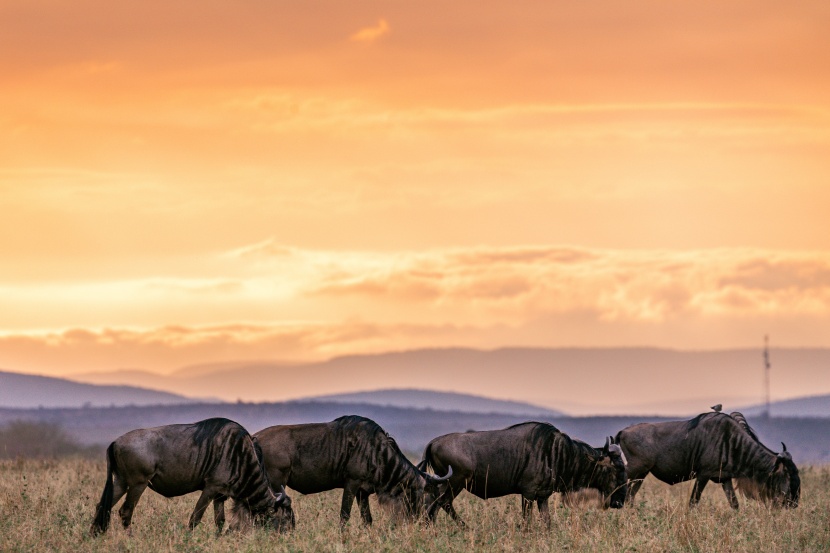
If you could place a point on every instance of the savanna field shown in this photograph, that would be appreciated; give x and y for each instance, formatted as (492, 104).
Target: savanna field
(47, 505)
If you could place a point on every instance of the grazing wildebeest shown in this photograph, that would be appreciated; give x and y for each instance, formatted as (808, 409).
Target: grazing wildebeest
(533, 459)
(748, 487)
(216, 456)
(711, 446)
(353, 453)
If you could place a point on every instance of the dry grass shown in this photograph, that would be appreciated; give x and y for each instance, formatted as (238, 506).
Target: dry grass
(48, 506)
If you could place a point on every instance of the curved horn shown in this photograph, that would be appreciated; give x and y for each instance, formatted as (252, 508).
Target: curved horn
(607, 445)
(279, 497)
(440, 478)
(784, 453)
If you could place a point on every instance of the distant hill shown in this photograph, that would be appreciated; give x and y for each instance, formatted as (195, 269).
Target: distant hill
(807, 439)
(27, 391)
(439, 401)
(811, 406)
(646, 381)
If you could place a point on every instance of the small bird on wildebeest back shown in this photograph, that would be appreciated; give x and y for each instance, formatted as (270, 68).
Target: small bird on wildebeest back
(717, 408)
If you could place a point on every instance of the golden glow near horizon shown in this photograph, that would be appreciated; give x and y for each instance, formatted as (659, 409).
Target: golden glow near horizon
(185, 183)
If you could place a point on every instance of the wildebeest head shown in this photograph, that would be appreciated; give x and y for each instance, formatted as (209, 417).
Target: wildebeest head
(609, 475)
(434, 488)
(283, 518)
(783, 486)
(280, 517)
(416, 497)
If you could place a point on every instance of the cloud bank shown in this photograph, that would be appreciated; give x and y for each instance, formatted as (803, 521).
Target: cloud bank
(272, 301)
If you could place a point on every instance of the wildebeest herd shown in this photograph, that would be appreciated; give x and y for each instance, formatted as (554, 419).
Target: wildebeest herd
(535, 460)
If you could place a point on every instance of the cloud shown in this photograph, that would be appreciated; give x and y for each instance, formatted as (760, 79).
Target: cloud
(269, 301)
(780, 274)
(634, 286)
(167, 348)
(371, 34)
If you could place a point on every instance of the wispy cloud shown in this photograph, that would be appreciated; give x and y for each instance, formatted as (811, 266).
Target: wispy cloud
(268, 300)
(617, 285)
(371, 34)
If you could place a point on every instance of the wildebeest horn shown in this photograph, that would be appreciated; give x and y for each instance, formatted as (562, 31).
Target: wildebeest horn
(783, 447)
(607, 444)
(784, 453)
(441, 478)
(279, 497)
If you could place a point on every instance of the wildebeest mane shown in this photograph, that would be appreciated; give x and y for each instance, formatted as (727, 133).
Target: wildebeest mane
(743, 423)
(208, 429)
(384, 449)
(542, 435)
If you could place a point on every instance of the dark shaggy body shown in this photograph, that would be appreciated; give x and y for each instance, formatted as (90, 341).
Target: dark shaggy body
(531, 459)
(711, 446)
(216, 456)
(353, 453)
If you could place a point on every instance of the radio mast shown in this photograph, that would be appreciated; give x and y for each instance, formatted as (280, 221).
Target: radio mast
(766, 376)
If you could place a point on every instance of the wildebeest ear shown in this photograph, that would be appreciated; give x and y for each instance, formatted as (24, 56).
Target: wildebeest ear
(617, 450)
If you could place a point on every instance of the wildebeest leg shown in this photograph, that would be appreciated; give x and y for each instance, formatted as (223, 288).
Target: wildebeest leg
(447, 506)
(118, 490)
(544, 510)
(133, 494)
(633, 488)
(346, 505)
(363, 503)
(730, 493)
(204, 500)
(219, 512)
(527, 512)
(697, 489)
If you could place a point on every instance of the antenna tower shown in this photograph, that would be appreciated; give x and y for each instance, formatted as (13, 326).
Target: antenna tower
(766, 376)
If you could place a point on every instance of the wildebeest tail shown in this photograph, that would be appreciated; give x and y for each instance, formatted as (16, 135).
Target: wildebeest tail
(102, 513)
(426, 459)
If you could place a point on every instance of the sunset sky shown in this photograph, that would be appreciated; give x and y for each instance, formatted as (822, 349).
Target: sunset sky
(191, 182)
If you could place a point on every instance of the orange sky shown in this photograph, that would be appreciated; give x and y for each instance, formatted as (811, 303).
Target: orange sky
(188, 182)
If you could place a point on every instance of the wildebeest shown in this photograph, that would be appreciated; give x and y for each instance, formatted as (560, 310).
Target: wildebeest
(216, 456)
(353, 453)
(711, 446)
(747, 486)
(533, 459)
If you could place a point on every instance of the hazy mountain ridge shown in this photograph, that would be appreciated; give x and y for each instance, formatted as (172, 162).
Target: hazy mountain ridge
(809, 406)
(444, 401)
(25, 391)
(562, 379)
(807, 439)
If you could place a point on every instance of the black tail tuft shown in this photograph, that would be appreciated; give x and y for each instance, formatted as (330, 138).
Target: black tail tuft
(426, 460)
(102, 513)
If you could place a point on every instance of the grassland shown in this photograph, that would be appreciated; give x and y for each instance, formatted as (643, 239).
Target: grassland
(48, 506)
